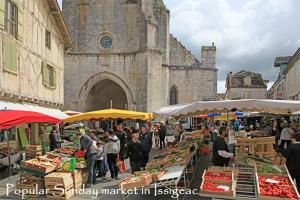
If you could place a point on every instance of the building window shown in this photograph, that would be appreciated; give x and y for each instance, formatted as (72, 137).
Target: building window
(106, 42)
(48, 39)
(10, 55)
(11, 18)
(48, 75)
(173, 95)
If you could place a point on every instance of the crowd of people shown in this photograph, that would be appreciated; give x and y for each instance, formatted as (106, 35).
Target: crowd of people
(106, 149)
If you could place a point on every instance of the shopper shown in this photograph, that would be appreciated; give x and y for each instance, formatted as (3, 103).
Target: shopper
(292, 155)
(162, 135)
(112, 150)
(286, 135)
(122, 136)
(135, 153)
(99, 159)
(221, 155)
(156, 135)
(146, 142)
(55, 142)
(178, 132)
(90, 147)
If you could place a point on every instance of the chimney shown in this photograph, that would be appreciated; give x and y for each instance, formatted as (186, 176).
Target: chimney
(208, 56)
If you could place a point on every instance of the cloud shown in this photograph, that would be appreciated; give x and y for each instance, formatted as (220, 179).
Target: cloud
(248, 34)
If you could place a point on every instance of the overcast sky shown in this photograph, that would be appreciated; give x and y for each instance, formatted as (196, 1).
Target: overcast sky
(248, 34)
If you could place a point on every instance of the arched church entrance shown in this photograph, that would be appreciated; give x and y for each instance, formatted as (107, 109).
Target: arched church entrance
(104, 94)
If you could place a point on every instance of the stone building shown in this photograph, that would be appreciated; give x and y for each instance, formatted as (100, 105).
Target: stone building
(33, 39)
(125, 57)
(245, 85)
(287, 85)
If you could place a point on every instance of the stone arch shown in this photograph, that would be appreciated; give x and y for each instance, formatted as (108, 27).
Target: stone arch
(173, 95)
(100, 77)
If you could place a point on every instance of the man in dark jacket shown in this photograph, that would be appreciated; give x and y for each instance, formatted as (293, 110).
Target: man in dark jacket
(221, 155)
(292, 155)
(54, 141)
(90, 147)
(134, 151)
(146, 142)
(122, 136)
(162, 135)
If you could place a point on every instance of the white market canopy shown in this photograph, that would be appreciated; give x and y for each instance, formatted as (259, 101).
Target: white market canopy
(245, 105)
(31, 107)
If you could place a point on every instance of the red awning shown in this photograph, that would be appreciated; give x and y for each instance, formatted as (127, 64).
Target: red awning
(9, 118)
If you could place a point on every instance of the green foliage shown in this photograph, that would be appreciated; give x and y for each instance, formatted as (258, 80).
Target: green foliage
(45, 146)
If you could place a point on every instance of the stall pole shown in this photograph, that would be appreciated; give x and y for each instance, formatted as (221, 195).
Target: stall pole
(35, 133)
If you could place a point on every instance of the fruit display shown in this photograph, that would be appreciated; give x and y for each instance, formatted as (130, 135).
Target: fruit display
(69, 150)
(222, 176)
(217, 182)
(276, 186)
(42, 164)
(209, 186)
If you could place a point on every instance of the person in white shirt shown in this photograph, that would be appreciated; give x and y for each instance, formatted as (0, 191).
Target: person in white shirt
(286, 135)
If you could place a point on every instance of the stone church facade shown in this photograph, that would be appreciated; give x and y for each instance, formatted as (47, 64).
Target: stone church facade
(125, 57)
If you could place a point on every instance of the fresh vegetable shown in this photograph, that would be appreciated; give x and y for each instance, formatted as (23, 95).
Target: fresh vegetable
(270, 169)
(79, 154)
(66, 166)
(217, 176)
(173, 160)
(276, 186)
(211, 187)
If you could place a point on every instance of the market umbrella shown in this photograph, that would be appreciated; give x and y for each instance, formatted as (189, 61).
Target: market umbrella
(109, 114)
(205, 107)
(9, 118)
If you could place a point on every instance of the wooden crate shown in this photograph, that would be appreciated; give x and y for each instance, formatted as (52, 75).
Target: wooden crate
(57, 195)
(292, 185)
(143, 180)
(229, 193)
(231, 174)
(59, 180)
(39, 167)
(158, 175)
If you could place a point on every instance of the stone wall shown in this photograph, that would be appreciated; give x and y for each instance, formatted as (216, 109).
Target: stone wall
(194, 83)
(89, 20)
(243, 93)
(83, 71)
(179, 55)
(292, 79)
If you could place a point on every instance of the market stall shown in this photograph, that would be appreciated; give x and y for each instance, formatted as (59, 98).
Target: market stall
(173, 168)
(109, 114)
(254, 171)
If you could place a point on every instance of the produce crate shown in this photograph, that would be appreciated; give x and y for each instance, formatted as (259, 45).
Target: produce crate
(157, 163)
(32, 183)
(58, 195)
(59, 180)
(290, 186)
(218, 173)
(227, 194)
(143, 179)
(39, 166)
(158, 175)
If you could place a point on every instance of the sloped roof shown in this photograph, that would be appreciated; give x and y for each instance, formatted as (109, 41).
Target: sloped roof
(58, 17)
(237, 80)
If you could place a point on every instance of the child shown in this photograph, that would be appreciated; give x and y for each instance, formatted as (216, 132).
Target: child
(99, 159)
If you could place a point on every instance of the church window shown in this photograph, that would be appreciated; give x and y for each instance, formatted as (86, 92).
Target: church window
(173, 95)
(106, 42)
